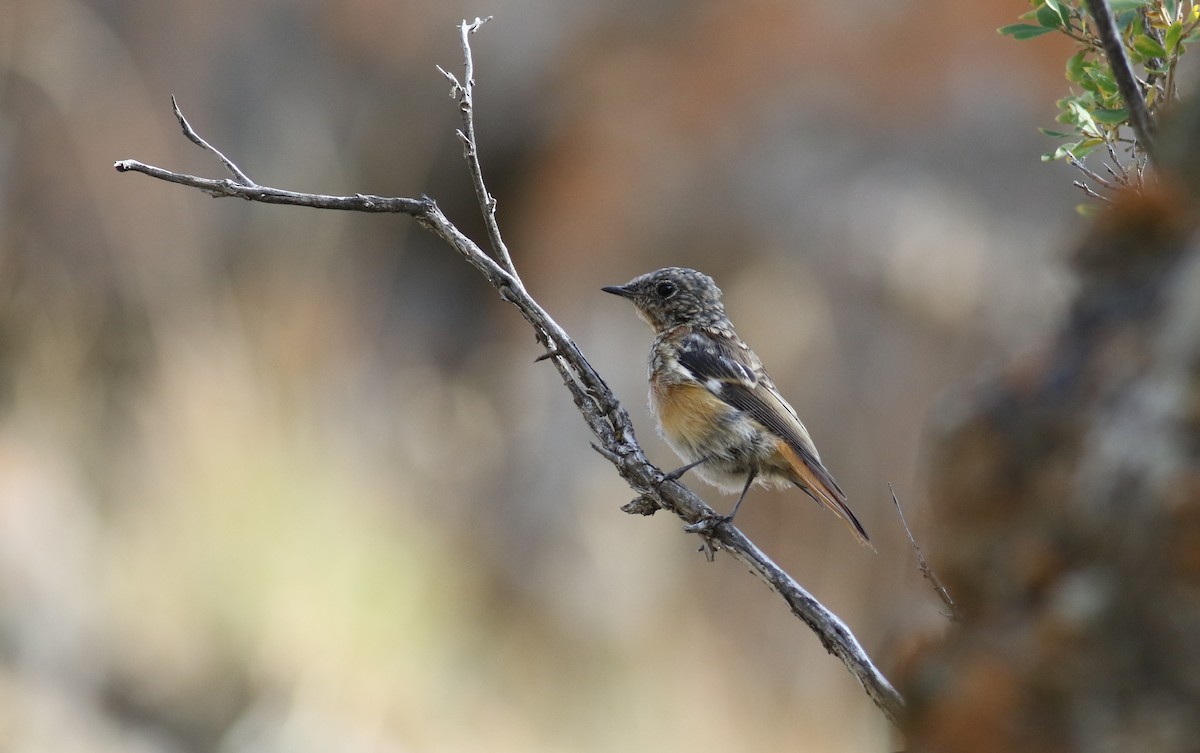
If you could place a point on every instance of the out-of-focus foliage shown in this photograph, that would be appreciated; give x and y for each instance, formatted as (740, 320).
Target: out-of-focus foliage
(1155, 35)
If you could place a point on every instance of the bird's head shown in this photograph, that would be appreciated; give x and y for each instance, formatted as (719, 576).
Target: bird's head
(672, 296)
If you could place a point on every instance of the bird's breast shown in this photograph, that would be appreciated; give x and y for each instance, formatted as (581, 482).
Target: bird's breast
(687, 414)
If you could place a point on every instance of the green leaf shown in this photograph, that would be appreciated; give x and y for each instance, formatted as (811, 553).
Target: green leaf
(1096, 77)
(1082, 149)
(1049, 17)
(1148, 47)
(1078, 148)
(1172, 7)
(1111, 117)
(1066, 113)
(1122, 6)
(1132, 22)
(1023, 31)
(1056, 134)
(1171, 38)
(1059, 153)
(1079, 115)
(1075, 67)
(1102, 80)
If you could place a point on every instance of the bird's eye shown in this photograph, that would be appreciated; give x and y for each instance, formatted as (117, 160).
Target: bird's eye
(666, 289)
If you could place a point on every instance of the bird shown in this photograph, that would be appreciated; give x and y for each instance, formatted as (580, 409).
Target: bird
(713, 401)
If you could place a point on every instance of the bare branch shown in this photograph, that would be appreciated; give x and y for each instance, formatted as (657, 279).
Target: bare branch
(1114, 50)
(607, 419)
(923, 565)
(1090, 191)
(1115, 160)
(1079, 165)
(465, 91)
(834, 635)
(224, 187)
(194, 137)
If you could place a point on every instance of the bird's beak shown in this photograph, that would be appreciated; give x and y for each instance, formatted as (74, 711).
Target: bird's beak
(621, 290)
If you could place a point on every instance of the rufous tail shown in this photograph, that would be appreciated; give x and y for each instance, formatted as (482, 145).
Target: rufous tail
(815, 486)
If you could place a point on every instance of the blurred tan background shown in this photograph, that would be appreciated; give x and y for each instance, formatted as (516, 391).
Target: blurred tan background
(274, 479)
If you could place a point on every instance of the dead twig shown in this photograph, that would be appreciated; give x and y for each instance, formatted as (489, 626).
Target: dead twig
(923, 565)
(194, 137)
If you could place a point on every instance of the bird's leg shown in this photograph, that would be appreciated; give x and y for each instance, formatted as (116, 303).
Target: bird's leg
(749, 481)
(676, 474)
(704, 526)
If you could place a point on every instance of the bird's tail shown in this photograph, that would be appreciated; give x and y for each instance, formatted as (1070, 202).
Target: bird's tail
(840, 509)
(818, 484)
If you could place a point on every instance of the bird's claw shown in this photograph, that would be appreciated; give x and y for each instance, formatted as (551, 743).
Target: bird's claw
(706, 524)
(705, 528)
(674, 475)
(668, 477)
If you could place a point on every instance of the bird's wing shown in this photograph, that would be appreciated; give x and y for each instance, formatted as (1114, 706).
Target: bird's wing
(733, 374)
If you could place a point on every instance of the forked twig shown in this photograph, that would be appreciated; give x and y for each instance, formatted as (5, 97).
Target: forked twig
(194, 137)
(464, 92)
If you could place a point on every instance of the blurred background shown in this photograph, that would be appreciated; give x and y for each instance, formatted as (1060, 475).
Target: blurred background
(275, 479)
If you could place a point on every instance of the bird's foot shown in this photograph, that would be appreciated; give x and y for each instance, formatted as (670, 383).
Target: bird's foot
(706, 524)
(674, 475)
(706, 529)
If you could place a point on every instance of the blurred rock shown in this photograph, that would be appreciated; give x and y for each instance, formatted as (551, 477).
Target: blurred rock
(1066, 490)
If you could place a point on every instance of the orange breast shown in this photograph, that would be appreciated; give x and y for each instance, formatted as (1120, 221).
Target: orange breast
(686, 411)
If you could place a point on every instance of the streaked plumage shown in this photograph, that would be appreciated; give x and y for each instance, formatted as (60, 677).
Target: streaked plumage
(715, 404)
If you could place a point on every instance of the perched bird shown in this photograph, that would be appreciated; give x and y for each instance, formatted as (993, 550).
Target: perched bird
(714, 403)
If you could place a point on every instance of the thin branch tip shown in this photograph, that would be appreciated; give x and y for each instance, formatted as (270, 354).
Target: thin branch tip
(923, 565)
(473, 26)
(608, 454)
(466, 134)
(195, 138)
(455, 87)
